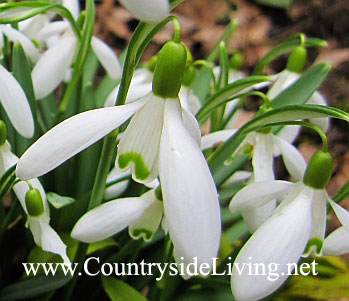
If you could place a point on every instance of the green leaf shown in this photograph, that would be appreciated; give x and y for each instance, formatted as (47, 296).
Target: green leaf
(201, 83)
(284, 48)
(58, 201)
(288, 113)
(118, 290)
(100, 245)
(303, 88)
(228, 93)
(32, 287)
(7, 180)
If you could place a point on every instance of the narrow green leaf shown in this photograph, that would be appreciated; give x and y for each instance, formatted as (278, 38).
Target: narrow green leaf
(202, 83)
(118, 290)
(284, 48)
(342, 193)
(33, 287)
(303, 88)
(104, 89)
(7, 180)
(227, 93)
(276, 3)
(100, 245)
(59, 201)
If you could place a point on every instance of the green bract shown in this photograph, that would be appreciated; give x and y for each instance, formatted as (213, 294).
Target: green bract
(297, 59)
(319, 170)
(169, 70)
(3, 133)
(33, 202)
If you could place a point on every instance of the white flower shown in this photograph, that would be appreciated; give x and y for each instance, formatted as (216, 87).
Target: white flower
(285, 79)
(337, 243)
(15, 103)
(281, 240)
(161, 140)
(150, 10)
(44, 236)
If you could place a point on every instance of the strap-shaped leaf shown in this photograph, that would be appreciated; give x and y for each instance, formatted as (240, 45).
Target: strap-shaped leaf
(6, 181)
(228, 93)
(303, 88)
(284, 48)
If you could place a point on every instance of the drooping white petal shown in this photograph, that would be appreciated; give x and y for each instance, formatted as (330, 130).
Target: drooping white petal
(134, 93)
(342, 214)
(288, 133)
(319, 212)
(150, 10)
(16, 36)
(293, 159)
(52, 66)
(116, 189)
(70, 137)
(15, 103)
(278, 242)
(211, 139)
(31, 27)
(190, 197)
(109, 218)
(52, 29)
(139, 145)
(191, 124)
(73, 6)
(189, 100)
(259, 193)
(284, 79)
(318, 99)
(106, 57)
(46, 237)
(337, 243)
(149, 222)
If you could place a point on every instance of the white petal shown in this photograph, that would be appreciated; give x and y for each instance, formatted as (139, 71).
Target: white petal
(47, 238)
(289, 133)
(190, 198)
(284, 79)
(236, 177)
(293, 159)
(32, 26)
(192, 125)
(278, 242)
(189, 100)
(319, 212)
(139, 145)
(115, 190)
(52, 29)
(259, 193)
(51, 68)
(149, 222)
(106, 57)
(73, 6)
(16, 36)
(16, 104)
(262, 160)
(211, 139)
(109, 218)
(150, 10)
(337, 243)
(318, 99)
(70, 137)
(141, 76)
(342, 214)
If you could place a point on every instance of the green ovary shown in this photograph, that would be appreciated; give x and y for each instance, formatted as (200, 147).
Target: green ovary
(141, 170)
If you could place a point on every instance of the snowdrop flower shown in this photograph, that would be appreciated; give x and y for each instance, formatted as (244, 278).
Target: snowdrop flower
(149, 11)
(337, 243)
(33, 202)
(14, 35)
(289, 76)
(15, 103)
(141, 214)
(54, 65)
(162, 140)
(281, 240)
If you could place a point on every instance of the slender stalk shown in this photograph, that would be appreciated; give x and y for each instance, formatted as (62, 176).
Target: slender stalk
(8, 218)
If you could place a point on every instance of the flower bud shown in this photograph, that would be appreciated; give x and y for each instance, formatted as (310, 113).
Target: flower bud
(169, 70)
(296, 60)
(319, 170)
(3, 132)
(236, 61)
(33, 202)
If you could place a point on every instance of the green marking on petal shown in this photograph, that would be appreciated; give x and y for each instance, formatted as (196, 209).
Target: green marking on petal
(315, 243)
(137, 233)
(141, 170)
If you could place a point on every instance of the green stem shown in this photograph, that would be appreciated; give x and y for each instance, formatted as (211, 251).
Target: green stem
(8, 219)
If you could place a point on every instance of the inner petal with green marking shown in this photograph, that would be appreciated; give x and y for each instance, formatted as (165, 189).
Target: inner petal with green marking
(139, 144)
